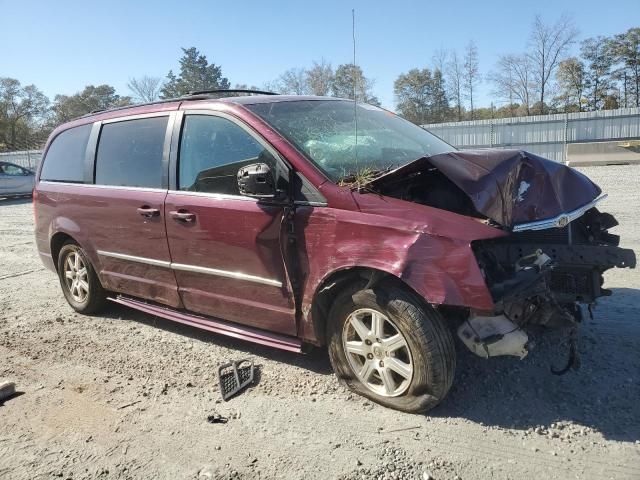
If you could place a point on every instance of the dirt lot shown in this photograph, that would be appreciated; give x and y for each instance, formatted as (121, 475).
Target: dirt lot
(126, 395)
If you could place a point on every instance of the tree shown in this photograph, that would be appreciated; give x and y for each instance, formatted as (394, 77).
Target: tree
(421, 97)
(597, 54)
(455, 78)
(626, 50)
(145, 89)
(513, 83)
(271, 86)
(439, 59)
(571, 77)
(471, 73)
(90, 99)
(244, 86)
(548, 45)
(413, 91)
(196, 73)
(350, 79)
(621, 78)
(440, 100)
(319, 78)
(293, 82)
(23, 110)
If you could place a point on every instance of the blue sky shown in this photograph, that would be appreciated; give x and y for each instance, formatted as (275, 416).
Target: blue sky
(61, 46)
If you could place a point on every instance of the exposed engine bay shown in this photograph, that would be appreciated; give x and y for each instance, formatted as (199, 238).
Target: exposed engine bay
(554, 256)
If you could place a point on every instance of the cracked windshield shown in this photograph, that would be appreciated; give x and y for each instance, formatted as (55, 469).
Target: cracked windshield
(325, 130)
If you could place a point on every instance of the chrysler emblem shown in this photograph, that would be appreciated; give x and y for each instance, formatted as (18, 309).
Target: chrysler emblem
(563, 221)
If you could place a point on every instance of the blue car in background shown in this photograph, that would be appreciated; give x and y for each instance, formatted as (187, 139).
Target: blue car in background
(15, 181)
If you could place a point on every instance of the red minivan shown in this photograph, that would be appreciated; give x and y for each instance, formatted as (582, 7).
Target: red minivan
(293, 221)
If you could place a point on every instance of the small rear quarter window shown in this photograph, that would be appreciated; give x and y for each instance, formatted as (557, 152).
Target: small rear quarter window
(64, 161)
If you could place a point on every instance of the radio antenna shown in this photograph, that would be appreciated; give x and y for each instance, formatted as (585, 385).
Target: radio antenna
(355, 91)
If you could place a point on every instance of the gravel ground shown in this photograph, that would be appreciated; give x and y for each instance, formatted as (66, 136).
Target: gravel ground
(127, 395)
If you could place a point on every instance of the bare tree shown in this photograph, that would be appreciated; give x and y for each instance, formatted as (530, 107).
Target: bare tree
(271, 86)
(549, 44)
(244, 86)
(454, 72)
(145, 89)
(320, 78)
(439, 59)
(512, 81)
(471, 73)
(293, 82)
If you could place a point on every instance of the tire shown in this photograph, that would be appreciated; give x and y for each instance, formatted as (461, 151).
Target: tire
(85, 295)
(428, 347)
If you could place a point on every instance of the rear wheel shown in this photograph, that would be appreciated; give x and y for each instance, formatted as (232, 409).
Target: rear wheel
(79, 281)
(385, 344)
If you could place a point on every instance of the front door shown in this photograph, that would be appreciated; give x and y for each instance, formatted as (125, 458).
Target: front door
(225, 248)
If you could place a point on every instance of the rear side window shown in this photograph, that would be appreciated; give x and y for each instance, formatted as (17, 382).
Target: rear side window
(64, 161)
(130, 153)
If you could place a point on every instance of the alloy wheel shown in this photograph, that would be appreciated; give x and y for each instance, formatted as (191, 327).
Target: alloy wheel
(76, 277)
(377, 352)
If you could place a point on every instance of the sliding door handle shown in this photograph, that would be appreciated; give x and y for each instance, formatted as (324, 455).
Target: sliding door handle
(148, 212)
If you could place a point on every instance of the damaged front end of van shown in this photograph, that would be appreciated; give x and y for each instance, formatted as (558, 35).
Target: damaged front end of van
(555, 248)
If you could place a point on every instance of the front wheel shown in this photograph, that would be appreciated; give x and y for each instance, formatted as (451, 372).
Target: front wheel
(80, 284)
(385, 344)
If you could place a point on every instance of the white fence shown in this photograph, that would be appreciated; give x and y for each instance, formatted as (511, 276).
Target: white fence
(544, 135)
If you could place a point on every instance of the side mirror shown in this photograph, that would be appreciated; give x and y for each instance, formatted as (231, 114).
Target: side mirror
(256, 180)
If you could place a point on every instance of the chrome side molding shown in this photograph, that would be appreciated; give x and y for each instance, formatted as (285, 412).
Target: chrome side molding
(192, 268)
(133, 258)
(225, 273)
(559, 221)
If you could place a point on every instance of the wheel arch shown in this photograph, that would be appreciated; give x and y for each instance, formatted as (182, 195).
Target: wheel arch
(332, 285)
(57, 241)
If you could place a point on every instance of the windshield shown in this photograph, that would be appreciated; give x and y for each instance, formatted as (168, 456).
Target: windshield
(325, 131)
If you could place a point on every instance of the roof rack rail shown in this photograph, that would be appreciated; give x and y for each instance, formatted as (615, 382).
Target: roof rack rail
(237, 90)
(195, 95)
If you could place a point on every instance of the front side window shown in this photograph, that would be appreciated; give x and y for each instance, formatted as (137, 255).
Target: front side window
(64, 161)
(343, 139)
(130, 153)
(212, 150)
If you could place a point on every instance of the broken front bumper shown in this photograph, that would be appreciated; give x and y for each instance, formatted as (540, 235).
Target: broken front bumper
(540, 278)
(574, 273)
(576, 256)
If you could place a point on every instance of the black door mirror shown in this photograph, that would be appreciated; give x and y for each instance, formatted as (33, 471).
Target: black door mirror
(256, 180)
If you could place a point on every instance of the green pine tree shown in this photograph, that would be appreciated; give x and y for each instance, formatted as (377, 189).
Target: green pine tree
(196, 73)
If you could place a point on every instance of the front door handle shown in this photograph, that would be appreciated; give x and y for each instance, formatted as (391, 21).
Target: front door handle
(148, 212)
(183, 215)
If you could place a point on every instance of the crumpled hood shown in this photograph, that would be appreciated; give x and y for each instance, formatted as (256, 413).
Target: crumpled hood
(507, 186)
